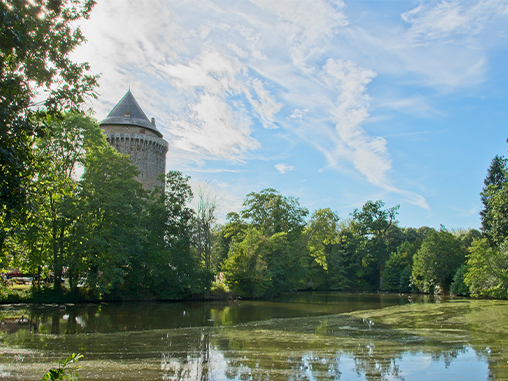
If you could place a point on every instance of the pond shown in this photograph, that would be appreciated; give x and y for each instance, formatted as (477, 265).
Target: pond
(302, 336)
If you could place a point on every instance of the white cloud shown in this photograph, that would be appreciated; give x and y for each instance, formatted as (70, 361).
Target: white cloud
(369, 155)
(298, 114)
(284, 168)
(212, 128)
(216, 77)
(447, 19)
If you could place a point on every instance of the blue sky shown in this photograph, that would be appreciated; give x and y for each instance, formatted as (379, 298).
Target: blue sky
(332, 102)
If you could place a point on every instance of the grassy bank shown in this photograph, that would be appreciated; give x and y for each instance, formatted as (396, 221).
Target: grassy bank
(19, 293)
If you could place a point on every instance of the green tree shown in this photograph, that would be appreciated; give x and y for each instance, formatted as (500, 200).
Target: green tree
(44, 237)
(321, 233)
(376, 223)
(273, 213)
(245, 269)
(396, 276)
(61, 152)
(497, 214)
(204, 223)
(435, 264)
(469, 236)
(234, 228)
(173, 272)
(488, 269)
(108, 232)
(496, 177)
(347, 269)
(36, 39)
(278, 223)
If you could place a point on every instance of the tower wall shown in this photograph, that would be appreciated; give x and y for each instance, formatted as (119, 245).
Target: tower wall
(146, 150)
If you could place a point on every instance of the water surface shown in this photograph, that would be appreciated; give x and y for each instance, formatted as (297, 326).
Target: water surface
(303, 336)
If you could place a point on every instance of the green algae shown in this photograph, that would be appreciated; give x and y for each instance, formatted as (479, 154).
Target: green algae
(434, 339)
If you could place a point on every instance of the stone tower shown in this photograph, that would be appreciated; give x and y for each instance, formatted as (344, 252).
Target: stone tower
(130, 132)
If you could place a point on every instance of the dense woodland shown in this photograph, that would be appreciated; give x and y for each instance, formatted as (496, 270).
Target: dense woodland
(110, 239)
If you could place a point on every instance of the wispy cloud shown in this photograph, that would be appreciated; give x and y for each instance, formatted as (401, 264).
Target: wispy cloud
(284, 168)
(369, 155)
(221, 79)
(216, 170)
(447, 19)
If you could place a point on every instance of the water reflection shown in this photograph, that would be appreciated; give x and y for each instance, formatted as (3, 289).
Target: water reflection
(304, 336)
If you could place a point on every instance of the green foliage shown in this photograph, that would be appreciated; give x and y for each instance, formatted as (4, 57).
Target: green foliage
(36, 39)
(405, 284)
(458, 286)
(234, 228)
(372, 219)
(170, 270)
(435, 264)
(67, 370)
(114, 239)
(321, 232)
(395, 277)
(267, 257)
(496, 177)
(496, 215)
(381, 235)
(273, 213)
(488, 258)
(487, 275)
(346, 268)
(107, 233)
(246, 270)
(469, 236)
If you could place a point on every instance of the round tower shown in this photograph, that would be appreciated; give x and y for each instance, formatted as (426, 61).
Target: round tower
(130, 132)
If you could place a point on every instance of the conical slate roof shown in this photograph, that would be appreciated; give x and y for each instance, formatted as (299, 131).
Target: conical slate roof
(128, 112)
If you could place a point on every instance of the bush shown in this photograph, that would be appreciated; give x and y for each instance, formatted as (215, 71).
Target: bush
(65, 371)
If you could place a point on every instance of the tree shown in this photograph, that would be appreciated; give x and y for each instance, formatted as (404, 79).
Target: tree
(174, 273)
(245, 269)
(36, 39)
(347, 269)
(435, 264)
(234, 228)
(396, 276)
(273, 213)
(107, 235)
(487, 273)
(321, 234)
(469, 236)
(44, 237)
(497, 214)
(60, 152)
(204, 222)
(375, 223)
(458, 286)
(271, 245)
(494, 181)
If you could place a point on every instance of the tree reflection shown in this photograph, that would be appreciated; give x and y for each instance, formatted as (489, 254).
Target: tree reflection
(192, 364)
(205, 345)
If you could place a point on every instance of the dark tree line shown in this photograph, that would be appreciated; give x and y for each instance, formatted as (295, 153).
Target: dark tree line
(109, 238)
(270, 248)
